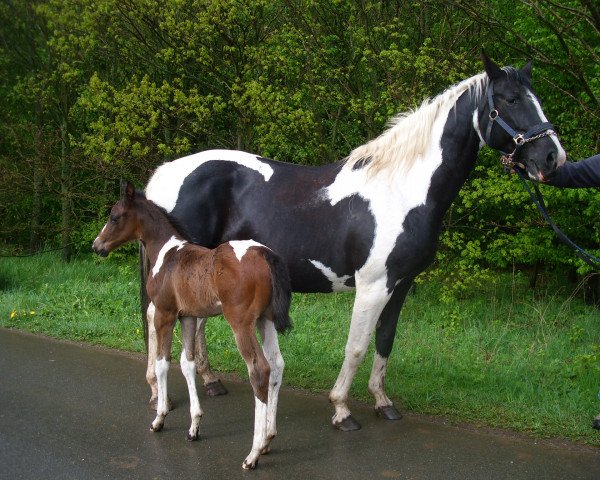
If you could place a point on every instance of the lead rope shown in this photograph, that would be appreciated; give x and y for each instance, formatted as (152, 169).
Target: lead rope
(538, 200)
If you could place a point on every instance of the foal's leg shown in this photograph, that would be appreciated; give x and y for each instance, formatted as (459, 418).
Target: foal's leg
(384, 340)
(368, 304)
(212, 384)
(152, 352)
(188, 368)
(163, 323)
(258, 371)
(273, 355)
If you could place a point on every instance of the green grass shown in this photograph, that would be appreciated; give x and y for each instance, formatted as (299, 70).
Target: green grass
(502, 356)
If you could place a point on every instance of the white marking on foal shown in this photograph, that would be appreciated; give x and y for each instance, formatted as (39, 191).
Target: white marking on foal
(162, 408)
(338, 284)
(188, 368)
(171, 243)
(270, 345)
(240, 247)
(163, 188)
(260, 433)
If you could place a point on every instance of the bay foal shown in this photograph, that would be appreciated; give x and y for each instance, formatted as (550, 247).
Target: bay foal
(243, 280)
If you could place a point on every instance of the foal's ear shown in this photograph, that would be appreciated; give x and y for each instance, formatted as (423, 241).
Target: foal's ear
(128, 191)
(493, 70)
(526, 70)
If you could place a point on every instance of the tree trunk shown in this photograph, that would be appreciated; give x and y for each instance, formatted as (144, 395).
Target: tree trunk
(36, 207)
(65, 176)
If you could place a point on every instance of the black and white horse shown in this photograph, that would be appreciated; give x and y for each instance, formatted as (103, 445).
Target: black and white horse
(371, 221)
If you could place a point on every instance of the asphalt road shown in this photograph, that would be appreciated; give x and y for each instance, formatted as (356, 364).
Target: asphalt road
(70, 411)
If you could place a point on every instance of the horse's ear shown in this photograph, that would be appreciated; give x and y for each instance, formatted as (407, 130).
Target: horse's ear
(493, 70)
(526, 70)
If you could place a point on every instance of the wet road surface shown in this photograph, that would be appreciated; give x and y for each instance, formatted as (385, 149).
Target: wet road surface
(69, 411)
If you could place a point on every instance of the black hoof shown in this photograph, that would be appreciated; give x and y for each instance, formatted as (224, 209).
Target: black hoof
(388, 412)
(348, 424)
(153, 404)
(596, 423)
(214, 389)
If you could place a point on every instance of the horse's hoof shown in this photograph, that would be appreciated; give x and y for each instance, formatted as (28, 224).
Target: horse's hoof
(388, 412)
(154, 403)
(348, 424)
(192, 438)
(596, 423)
(214, 389)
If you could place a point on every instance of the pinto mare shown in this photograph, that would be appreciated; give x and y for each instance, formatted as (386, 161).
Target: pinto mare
(371, 221)
(243, 280)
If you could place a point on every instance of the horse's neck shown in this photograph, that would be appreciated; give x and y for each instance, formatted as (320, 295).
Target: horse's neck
(460, 144)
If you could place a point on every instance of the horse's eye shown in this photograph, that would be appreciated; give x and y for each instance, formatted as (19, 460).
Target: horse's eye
(512, 101)
(114, 218)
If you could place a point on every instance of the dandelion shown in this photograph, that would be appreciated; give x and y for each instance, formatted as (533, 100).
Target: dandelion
(31, 312)
(137, 331)
(13, 314)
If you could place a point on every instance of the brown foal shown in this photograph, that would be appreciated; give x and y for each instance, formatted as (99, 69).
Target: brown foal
(243, 280)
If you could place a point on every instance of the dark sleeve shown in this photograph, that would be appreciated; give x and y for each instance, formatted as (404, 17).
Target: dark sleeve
(582, 174)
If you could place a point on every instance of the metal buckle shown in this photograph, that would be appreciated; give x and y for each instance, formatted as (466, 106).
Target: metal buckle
(494, 114)
(519, 139)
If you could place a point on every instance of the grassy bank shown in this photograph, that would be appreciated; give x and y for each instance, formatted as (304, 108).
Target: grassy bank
(501, 357)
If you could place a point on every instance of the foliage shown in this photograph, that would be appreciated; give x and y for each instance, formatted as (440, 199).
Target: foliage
(94, 91)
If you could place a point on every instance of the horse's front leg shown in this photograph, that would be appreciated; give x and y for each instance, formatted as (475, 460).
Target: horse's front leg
(384, 340)
(212, 384)
(273, 354)
(152, 352)
(163, 323)
(368, 304)
(188, 368)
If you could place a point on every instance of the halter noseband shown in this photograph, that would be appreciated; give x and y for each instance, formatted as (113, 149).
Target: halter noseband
(544, 129)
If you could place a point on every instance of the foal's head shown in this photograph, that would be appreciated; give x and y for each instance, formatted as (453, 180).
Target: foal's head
(123, 224)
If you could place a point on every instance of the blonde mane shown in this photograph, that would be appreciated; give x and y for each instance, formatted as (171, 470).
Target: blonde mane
(409, 134)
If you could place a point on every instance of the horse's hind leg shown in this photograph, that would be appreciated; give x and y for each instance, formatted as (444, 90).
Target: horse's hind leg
(188, 368)
(273, 355)
(163, 324)
(152, 352)
(212, 384)
(259, 372)
(384, 340)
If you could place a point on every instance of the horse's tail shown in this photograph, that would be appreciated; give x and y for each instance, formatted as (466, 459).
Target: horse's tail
(144, 299)
(281, 290)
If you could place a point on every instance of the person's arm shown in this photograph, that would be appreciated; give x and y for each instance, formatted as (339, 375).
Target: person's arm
(582, 174)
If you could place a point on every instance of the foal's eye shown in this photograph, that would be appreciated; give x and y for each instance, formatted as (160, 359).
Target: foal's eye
(512, 100)
(114, 218)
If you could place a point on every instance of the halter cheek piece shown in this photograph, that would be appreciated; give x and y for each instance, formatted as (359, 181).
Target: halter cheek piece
(544, 129)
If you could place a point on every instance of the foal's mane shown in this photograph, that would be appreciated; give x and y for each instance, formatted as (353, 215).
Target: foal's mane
(409, 133)
(178, 226)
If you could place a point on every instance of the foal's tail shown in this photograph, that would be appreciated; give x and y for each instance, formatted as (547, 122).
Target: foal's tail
(144, 299)
(281, 290)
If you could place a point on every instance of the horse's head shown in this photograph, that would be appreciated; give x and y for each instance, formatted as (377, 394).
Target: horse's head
(122, 225)
(511, 120)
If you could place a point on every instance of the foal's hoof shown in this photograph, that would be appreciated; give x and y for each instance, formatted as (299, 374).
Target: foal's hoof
(388, 412)
(348, 424)
(156, 428)
(192, 438)
(250, 465)
(214, 389)
(596, 423)
(154, 403)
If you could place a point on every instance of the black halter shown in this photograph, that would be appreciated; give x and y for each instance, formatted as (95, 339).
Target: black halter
(544, 129)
